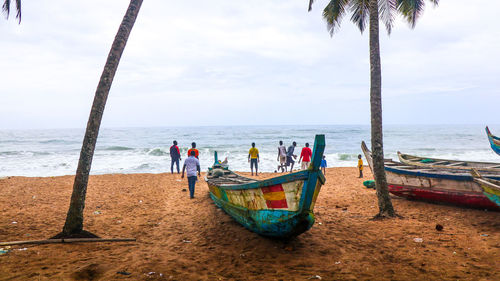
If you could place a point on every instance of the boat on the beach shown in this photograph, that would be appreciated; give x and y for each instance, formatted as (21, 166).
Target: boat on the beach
(436, 185)
(494, 141)
(447, 163)
(278, 207)
(491, 188)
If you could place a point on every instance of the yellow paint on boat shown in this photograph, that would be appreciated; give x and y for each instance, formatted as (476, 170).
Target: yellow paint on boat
(271, 196)
(490, 190)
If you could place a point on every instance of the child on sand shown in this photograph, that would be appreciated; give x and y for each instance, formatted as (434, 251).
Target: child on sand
(323, 165)
(360, 166)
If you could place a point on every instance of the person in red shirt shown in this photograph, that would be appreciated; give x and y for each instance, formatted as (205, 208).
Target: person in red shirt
(193, 148)
(305, 156)
(175, 154)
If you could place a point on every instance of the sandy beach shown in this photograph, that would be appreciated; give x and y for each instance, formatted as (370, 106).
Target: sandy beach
(183, 239)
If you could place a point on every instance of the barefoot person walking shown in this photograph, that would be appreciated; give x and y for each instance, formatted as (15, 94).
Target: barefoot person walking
(290, 156)
(192, 165)
(282, 157)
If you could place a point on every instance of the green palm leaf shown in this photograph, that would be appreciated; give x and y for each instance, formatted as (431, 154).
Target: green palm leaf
(334, 12)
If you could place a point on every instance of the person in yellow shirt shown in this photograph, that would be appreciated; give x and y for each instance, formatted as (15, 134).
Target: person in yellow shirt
(253, 158)
(360, 166)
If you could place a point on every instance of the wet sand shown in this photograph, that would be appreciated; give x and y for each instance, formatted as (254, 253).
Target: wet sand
(183, 239)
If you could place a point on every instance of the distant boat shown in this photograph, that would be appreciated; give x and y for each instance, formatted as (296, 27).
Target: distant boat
(494, 141)
(491, 188)
(434, 185)
(278, 207)
(447, 164)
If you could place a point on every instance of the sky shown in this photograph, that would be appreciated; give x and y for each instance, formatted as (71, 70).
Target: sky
(259, 62)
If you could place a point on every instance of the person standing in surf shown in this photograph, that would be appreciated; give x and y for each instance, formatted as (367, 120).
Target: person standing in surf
(305, 156)
(175, 156)
(253, 158)
(193, 148)
(282, 157)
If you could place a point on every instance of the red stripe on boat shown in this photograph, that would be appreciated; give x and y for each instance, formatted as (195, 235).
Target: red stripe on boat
(273, 188)
(273, 191)
(277, 204)
(467, 199)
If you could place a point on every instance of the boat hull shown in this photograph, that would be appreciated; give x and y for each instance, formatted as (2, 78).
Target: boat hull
(438, 188)
(277, 207)
(490, 187)
(434, 185)
(271, 210)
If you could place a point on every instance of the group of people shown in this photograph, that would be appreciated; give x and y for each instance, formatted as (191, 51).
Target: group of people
(191, 165)
(286, 158)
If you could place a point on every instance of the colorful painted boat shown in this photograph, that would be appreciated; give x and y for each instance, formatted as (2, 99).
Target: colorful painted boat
(434, 185)
(491, 188)
(448, 164)
(277, 207)
(494, 141)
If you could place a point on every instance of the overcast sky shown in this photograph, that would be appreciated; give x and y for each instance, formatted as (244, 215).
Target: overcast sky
(259, 62)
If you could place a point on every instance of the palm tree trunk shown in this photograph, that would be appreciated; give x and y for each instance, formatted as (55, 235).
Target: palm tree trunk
(74, 218)
(384, 201)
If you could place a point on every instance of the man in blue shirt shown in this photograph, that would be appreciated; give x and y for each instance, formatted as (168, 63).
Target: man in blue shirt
(290, 156)
(192, 165)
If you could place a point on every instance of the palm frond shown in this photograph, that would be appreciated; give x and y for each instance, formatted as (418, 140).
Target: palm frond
(333, 14)
(18, 7)
(435, 2)
(310, 5)
(387, 10)
(360, 13)
(411, 10)
(6, 9)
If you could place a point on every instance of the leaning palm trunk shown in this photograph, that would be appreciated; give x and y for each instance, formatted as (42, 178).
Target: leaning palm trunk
(384, 201)
(74, 218)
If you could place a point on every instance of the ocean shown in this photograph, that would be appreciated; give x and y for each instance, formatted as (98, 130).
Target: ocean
(146, 150)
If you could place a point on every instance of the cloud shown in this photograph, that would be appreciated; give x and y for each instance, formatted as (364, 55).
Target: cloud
(253, 60)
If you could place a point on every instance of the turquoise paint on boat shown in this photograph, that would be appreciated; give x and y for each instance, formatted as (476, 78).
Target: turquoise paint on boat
(494, 141)
(493, 197)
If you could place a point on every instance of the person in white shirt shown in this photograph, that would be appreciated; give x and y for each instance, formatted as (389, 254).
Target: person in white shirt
(192, 165)
(282, 157)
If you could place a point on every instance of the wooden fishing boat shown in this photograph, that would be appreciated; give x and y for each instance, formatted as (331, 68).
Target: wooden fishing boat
(448, 164)
(494, 141)
(277, 207)
(434, 185)
(491, 188)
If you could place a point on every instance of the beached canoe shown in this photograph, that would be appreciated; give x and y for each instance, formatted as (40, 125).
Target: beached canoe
(494, 141)
(278, 207)
(434, 185)
(491, 188)
(448, 164)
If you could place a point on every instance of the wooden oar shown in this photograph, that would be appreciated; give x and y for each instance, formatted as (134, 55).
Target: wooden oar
(67, 240)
